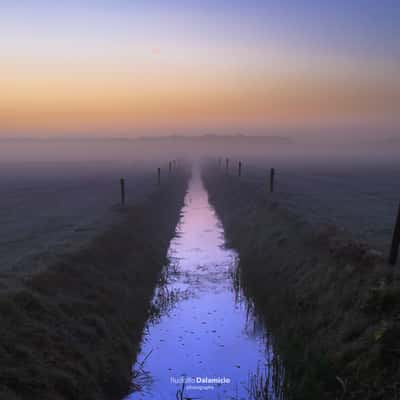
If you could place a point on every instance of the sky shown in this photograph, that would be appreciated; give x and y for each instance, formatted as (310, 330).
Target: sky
(140, 68)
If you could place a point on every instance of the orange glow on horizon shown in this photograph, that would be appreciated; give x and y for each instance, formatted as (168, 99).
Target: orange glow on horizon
(178, 97)
(97, 66)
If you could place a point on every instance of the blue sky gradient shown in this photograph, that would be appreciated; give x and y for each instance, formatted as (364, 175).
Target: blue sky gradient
(298, 51)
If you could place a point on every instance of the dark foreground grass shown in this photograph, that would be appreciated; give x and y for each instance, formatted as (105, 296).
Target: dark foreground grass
(331, 304)
(73, 331)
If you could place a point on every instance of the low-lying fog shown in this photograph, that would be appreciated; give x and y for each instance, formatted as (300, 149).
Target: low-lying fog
(55, 194)
(150, 150)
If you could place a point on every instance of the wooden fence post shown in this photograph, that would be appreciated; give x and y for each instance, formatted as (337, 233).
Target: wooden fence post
(271, 180)
(240, 169)
(394, 251)
(227, 165)
(122, 183)
(159, 176)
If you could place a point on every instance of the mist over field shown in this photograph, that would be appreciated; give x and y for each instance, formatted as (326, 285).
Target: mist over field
(58, 193)
(277, 148)
(199, 200)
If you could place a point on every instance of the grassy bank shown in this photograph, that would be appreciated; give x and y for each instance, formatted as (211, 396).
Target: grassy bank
(73, 331)
(332, 304)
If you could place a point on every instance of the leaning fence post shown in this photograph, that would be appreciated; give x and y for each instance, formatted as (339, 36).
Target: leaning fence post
(227, 165)
(240, 169)
(394, 251)
(271, 180)
(122, 183)
(159, 176)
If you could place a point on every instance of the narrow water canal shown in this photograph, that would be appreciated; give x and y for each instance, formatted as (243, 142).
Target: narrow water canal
(204, 333)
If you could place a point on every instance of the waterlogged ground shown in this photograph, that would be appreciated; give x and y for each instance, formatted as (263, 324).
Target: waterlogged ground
(204, 342)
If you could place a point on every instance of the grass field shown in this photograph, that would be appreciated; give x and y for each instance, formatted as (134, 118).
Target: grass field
(360, 199)
(72, 330)
(48, 209)
(331, 302)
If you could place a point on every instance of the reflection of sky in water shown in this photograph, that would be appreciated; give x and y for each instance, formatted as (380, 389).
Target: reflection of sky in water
(207, 332)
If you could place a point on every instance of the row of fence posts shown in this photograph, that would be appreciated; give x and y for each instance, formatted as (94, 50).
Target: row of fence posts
(240, 165)
(171, 169)
(394, 249)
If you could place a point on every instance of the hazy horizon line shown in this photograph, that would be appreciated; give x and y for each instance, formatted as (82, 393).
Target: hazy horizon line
(273, 139)
(146, 138)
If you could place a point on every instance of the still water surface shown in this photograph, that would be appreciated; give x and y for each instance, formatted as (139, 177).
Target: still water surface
(205, 327)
